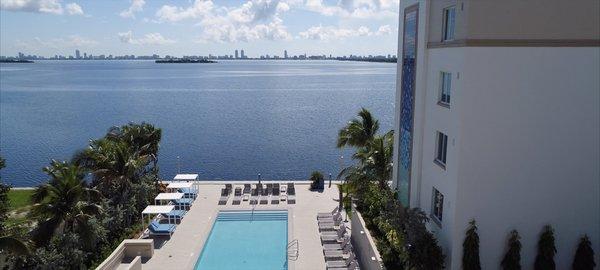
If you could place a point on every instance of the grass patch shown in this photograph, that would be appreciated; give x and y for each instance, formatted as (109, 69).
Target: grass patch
(19, 198)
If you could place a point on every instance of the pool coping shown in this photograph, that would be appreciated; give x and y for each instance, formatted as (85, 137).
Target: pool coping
(213, 217)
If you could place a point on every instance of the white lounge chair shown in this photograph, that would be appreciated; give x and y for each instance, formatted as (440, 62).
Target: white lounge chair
(275, 196)
(341, 264)
(264, 196)
(237, 196)
(339, 254)
(291, 194)
(254, 197)
(337, 246)
(336, 219)
(334, 236)
(328, 214)
(224, 196)
(353, 266)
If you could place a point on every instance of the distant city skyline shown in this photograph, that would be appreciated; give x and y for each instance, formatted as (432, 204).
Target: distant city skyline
(200, 27)
(237, 54)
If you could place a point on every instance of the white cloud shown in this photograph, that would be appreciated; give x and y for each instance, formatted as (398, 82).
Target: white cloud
(222, 30)
(361, 9)
(253, 20)
(199, 9)
(335, 33)
(384, 30)
(74, 9)
(148, 39)
(41, 6)
(136, 6)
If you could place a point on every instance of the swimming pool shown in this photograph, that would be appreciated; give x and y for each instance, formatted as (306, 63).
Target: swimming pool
(246, 240)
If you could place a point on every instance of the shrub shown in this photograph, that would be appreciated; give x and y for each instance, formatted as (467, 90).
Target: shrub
(470, 259)
(4, 202)
(422, 247)
(584, 256)
(546, 250)
(512, 258)
(317, 178)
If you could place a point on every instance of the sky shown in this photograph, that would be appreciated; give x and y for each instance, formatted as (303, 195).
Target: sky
(199, 27)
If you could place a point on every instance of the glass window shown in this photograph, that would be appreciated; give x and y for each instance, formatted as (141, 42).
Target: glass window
(437, 207)
(445, 86)
(442, 146)
(449, 17)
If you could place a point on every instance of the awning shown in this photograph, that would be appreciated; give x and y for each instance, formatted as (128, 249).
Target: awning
(186, 177)
(169, 196)
(180, 185)
(158, 209)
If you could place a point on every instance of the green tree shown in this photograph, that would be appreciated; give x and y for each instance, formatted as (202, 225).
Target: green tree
(584, 256)
(512, 258)
(546, 250)
(64, 204)
(470, 259)
(358, 132)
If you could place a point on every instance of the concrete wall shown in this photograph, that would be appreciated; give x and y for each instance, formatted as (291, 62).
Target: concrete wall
(529, 149)
(446, 120)
(533, 19)
(517, 19)
(363, 245)
(133, 248)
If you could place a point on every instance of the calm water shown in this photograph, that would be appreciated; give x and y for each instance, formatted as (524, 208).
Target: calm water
(230, 120)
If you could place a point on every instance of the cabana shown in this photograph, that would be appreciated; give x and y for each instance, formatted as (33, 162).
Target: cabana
(155, 227)
(186, 177)
(189, 189)
(174, 197)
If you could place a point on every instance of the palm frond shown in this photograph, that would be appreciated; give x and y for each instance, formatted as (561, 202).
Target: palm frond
(14, 245)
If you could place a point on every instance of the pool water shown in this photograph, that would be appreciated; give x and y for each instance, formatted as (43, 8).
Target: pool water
(246, 240)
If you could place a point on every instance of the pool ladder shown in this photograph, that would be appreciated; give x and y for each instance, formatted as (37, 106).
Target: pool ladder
(293, 250)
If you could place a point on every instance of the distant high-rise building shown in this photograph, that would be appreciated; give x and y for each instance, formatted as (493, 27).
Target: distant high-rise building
(242, 54)
(285, 54)
(84, 55)
(21, 55)
(236, 54)
(77, 54)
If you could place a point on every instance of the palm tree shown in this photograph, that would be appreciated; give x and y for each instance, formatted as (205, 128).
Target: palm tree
(144, 138)
(358, 132)
(379, 161)
(64, 204)
(122, 157)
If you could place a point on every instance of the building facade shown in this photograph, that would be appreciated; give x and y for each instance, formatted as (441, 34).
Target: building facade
(498, 120)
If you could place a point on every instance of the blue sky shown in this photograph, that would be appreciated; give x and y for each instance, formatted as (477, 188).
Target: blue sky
(198, 27)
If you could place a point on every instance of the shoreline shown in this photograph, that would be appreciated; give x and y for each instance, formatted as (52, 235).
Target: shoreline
(213, 182)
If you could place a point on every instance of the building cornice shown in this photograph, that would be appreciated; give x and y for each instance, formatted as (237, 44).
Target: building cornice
(515, 43)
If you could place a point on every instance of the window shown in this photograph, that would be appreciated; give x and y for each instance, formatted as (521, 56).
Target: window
(445, 85)
(442, 146)
(437, 206)
(448, 30)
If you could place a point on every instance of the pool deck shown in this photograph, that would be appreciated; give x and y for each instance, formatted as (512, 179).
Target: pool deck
(184, 247)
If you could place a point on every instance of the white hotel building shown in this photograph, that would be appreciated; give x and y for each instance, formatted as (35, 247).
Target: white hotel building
(498, 120)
